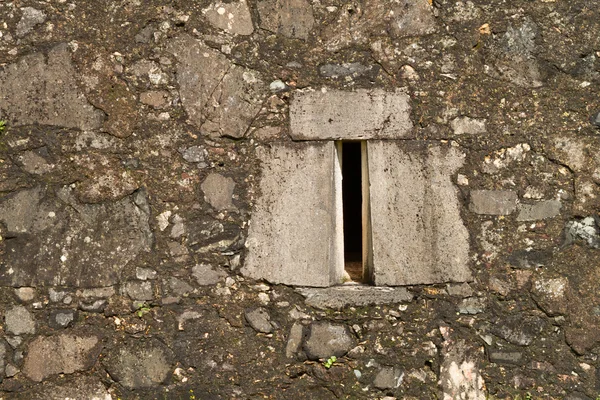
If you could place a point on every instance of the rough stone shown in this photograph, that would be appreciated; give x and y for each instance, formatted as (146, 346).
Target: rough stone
(362, 114)
(139, 290)
(59, 241)
(30, 18)
(517, 330)
(25, 293)
(459, 376)
(471, 305)
(52, 84)
(538, 211)
(259, 319)
(61, 318)
(294, 342)
(140, 364)
(356, 24)
(34, 163)
(505, 357)
(218, 191)
(468, 126)
(205, 275)
(155, 98)
(418, 236)
(459, 289)
(493, 202)
(292, 244)
(194, 154)
(144, 274)
(551, 294)
(353, 70)
(326, 339)
(220, 98)
(179, 287)
(18, 321)
(65, 353)
(585, 230)
(234, 18)
(339, 297)
(388, 378)
(290, 18)
(11, 371)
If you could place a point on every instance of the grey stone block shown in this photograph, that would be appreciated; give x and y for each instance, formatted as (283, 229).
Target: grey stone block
(418, 236)
(19, 321)
(493, 202)
(290, 18)
(541, 210)
(259, 319)
(294, 230)
(339, 297)
(506, 357)
(344, 115)
(294, 340)
(326, 340)
(388, 378)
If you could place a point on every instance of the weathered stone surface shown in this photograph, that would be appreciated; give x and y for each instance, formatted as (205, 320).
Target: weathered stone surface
(18, 321)
(61, 318)
(388, 378)
(551, 294)
(418, 236)
(293, 230)
(218, 191)
(586, 230)
(517, 330)
(25, 293)
(139, 364)
(362, 114)
(353, 70)
(290, 18)
(505, 357)
(294, 342)
(232, 17)
(220, 98)
(139, 290)
(30, 18)
(469, 126)
(459, 375)
(356, 24)
(65, 353)
(60, 241)
(206, 275)
(339, 297)
(81, 387)
(493, 202)
(541, 210)
(259, 319)
(471, 305)
(52, 84)
(155, 98)
(325, 340)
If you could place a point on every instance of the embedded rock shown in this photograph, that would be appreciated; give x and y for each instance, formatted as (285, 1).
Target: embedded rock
(294, 342)
(81, 387)
(388, 378)
(139, 364)
(493, 202)
(51, 82)
(218, 191)
(325, 340)
(339, 297)
(290, 18)
(60, 241)
(538, 211)
(551, 295)
(65, 353)
(234, 18)
(468, 126)
(30, 19)
(220, 98)
(19, 321)
(206, 275)
(259, 319)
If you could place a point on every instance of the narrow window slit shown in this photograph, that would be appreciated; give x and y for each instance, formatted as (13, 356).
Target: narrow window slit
(352, 199)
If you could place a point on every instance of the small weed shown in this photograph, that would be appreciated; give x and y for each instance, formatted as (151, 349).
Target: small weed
(329, 362)
(142, 309)
(2, 125)
(192, 396)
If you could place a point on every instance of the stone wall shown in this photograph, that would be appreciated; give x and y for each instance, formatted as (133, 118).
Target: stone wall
(136, 140)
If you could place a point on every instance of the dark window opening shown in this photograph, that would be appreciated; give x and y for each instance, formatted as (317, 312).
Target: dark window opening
(352, 189)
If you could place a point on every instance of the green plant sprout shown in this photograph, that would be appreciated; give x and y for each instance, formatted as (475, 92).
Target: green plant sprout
(2, 125)
(142, 309)
(329, 362)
